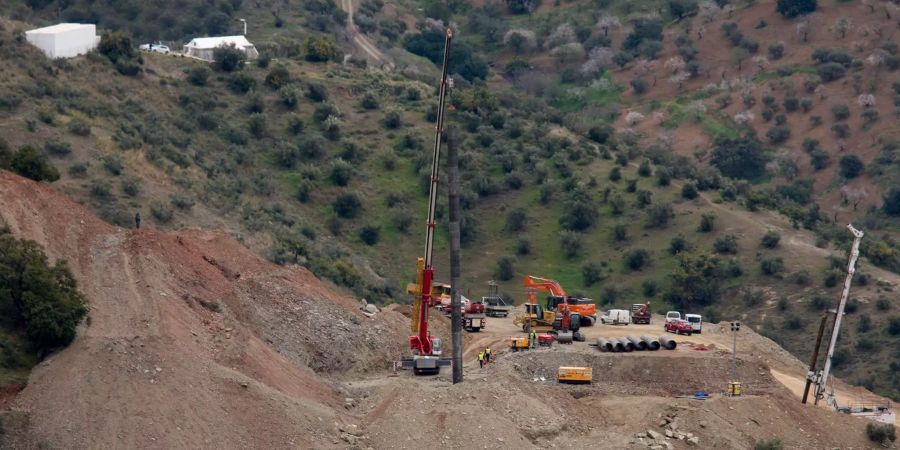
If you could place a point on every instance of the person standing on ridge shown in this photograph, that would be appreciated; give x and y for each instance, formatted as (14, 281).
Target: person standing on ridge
(137, 220)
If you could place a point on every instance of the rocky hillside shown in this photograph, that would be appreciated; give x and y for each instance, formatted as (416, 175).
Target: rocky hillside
(631, 150)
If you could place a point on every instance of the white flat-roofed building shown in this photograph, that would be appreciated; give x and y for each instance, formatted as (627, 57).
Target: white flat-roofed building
(64, 40)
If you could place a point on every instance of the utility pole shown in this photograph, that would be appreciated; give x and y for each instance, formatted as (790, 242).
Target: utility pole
(851, 269)
(456, 301)
(812, 364)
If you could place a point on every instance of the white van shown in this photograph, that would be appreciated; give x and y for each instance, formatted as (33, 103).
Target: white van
(696, 322)
(673, 315)
(616, 317)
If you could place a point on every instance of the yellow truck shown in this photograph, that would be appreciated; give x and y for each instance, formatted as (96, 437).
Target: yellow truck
(575, 375)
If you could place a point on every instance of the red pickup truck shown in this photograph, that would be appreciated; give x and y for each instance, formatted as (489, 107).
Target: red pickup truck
(679, 326)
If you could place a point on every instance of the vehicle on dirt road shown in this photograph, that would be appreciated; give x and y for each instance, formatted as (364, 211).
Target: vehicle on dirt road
(616, 317)
(155, 48)
(696, 322)
(678, 326)
(640, 313)
(673, 315)
(496, 306)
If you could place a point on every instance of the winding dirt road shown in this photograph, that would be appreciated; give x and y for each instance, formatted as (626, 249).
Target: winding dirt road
(362, 41)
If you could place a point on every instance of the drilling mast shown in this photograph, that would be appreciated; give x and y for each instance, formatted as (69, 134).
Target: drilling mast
(822, 381)
(427, 348)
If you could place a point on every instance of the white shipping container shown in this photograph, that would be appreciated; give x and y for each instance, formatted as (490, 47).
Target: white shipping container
(64, 40)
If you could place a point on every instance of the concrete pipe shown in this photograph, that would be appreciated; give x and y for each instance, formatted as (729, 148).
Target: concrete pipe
(564, 337)
(651, 344)
(667, 342)
(579, 336)
(638, 344)
(618, 346)
(629, 347)
(604, 345)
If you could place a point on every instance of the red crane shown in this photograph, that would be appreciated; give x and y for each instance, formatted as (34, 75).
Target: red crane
(427, 348)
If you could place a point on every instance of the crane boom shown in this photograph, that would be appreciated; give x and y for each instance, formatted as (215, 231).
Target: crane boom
(423, 343)
(851, 269)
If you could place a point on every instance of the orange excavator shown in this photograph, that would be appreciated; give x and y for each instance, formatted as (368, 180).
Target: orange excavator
(558, 316)
(559, 301)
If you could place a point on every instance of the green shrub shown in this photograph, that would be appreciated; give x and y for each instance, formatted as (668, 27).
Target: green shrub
(340, 173)
(770, 239)
(43, 298)
(615, 174)
(256, 124)
(850, 166)
(112, 164)
(793, 322)
(241, 83)
(30, 162)
(818, 303)
(369, 234)
(658, 215)
(347, 205)
(161, 212)
(636, 259)
(726, 244)
(290, 98)
(228, 59)
(57, 147)
(505, 270)
(649, 288)
(893, 326)
(772, 266)
(79, 127)
(689, 191)
(199, 75)
(881, 433)
(591, 274)
(278, 77)
(774, 443)
(619, 233)
(181, 201)
(570, 244)
(677, 245)
(131, 186)
(707, 223)
(516, 220)
(369, 101)
(882, 304)
(523, 247)
(319, 49)
(840, 112)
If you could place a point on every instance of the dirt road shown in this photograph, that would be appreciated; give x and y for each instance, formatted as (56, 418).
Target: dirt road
(362, 41)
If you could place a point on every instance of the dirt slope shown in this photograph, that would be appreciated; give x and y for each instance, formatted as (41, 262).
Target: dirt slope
(153, 367)
(195, 342)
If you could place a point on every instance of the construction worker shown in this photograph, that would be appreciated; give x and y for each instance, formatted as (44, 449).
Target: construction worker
(532, 339)
(481, 360)
(487, 354)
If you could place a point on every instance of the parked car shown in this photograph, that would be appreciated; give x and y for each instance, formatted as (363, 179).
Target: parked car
(673, 315)
(616, 317)
(696, 322)
(155, 48)
(678, 326)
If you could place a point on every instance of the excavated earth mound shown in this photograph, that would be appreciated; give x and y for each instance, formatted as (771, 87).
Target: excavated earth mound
(192, 340)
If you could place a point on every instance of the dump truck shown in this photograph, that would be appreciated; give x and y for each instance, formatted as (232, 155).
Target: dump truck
(640, 313)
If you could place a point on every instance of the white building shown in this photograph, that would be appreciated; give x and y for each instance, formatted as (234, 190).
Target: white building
(64, 40)
(202, 48)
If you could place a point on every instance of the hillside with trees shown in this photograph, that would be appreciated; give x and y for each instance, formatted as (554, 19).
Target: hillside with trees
(699, 155)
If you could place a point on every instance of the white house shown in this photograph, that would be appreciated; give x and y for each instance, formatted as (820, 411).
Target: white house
(64, 40)
(202, 48)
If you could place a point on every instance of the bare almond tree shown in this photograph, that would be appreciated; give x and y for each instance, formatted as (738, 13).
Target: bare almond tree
(563, 34)
(866, 100)
(600, 59)
(675, 64)
(803, 30)
(854, 196)
(708, 11)
(607, 23)
(841, 26)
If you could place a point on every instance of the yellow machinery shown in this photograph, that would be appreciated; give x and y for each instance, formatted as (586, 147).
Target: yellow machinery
(535, 318)
(575, 375)
(518, 343)
(734, 388)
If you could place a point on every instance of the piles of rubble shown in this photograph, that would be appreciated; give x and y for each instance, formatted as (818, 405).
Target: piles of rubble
(671, 431)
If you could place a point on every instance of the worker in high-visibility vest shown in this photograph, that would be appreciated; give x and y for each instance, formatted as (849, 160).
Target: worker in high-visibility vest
(481, 359)
(487, 354)
(532, 339)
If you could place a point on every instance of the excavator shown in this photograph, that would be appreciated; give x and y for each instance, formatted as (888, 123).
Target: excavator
(426, 348)
(558, 315)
